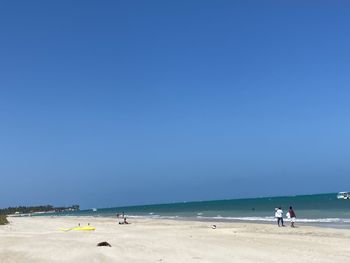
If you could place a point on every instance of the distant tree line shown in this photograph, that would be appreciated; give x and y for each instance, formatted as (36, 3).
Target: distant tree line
(35, 209)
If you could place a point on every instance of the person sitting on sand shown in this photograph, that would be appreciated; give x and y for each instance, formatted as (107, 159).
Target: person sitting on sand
(125, 222)
(279, 216)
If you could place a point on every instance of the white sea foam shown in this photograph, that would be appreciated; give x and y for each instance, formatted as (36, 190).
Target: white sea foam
(153, 216)
(256, 219)
(272, 219)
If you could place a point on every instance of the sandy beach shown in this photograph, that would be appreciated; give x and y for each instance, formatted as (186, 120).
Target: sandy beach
(39, 239)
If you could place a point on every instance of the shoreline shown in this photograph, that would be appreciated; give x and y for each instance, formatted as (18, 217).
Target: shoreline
(331, 225)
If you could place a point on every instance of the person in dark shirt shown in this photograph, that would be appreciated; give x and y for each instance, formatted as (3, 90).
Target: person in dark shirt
(292, 216)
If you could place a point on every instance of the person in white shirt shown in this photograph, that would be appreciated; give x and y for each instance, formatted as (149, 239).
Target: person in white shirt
(279, 216)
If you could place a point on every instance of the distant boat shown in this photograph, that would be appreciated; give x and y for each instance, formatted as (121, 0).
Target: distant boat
(94, 209)
(343, 195)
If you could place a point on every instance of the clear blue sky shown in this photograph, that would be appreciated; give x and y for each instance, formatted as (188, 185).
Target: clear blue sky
(108, 103)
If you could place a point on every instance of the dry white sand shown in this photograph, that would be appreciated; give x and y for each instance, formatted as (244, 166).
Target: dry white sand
(38, 239)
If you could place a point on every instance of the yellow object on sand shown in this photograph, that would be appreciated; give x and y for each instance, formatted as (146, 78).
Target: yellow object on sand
(79, 228)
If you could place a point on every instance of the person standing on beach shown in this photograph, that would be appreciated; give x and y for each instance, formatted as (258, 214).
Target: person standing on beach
(292, 216)
(279, 216)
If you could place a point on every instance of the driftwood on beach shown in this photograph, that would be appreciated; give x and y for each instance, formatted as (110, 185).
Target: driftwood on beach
(104, 244)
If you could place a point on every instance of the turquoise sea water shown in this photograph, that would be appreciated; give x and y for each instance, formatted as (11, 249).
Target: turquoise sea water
(321, 209)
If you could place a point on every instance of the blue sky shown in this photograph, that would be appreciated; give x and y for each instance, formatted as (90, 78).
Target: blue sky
(108, 103)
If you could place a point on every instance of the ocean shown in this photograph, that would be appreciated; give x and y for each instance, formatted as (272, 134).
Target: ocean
(320, 209)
